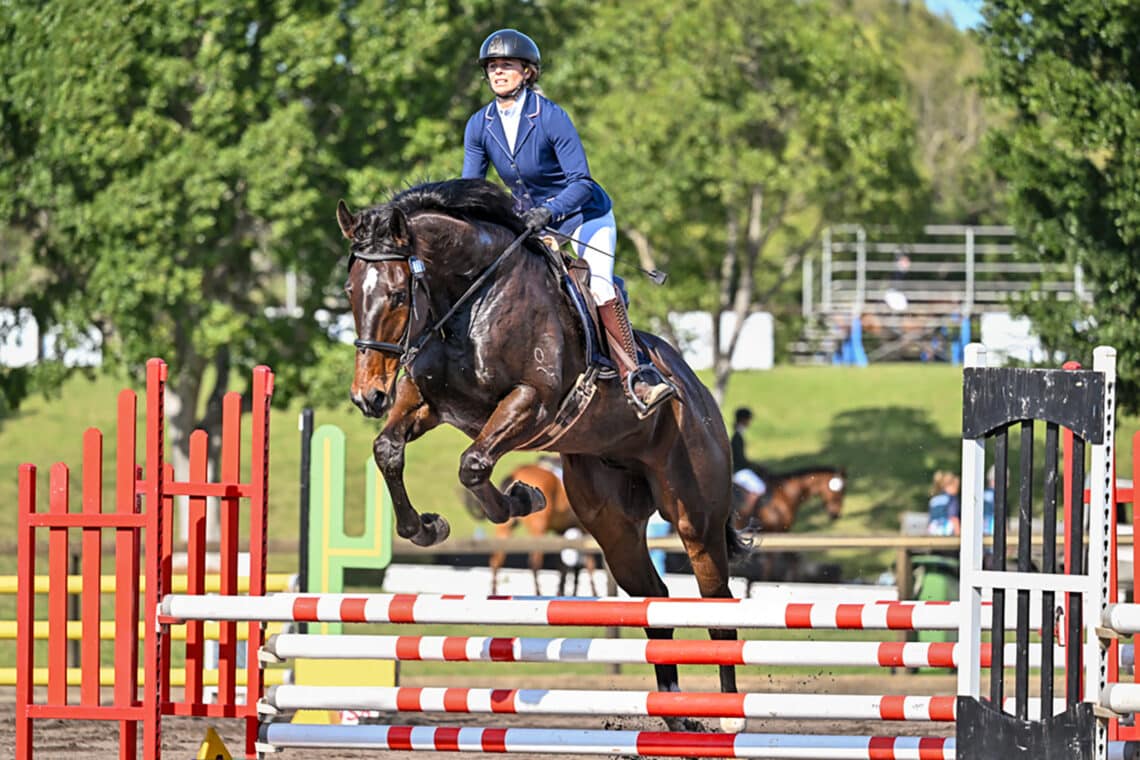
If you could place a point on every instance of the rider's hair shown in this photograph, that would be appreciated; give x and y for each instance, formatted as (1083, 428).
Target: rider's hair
(743, 414)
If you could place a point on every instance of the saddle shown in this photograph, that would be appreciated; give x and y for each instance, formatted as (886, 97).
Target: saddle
(575, 275)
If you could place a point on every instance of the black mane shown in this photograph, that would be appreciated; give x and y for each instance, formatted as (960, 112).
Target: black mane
(473, 200)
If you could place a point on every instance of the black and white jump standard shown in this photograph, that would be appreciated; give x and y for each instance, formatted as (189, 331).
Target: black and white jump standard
(1059, 589)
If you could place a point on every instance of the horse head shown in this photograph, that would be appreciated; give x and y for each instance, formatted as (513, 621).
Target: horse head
(380, 288)
(834, 488)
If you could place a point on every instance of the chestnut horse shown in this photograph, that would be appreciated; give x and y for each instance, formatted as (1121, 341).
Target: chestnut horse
(776, 511)
(462, 320)
(557, 518)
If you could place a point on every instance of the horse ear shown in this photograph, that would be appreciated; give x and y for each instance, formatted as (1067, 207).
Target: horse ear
(345, 219)
(398, 227)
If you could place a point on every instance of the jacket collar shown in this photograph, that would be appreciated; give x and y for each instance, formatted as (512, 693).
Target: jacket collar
(532, 109)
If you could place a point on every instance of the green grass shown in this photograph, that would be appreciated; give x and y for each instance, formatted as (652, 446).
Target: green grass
(890, 425)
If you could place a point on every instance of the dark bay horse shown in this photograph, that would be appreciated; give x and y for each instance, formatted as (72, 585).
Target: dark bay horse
(787, 492)
(556, 517)
(461, 320)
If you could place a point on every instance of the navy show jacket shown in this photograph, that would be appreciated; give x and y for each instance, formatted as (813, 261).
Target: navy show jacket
(548, 166)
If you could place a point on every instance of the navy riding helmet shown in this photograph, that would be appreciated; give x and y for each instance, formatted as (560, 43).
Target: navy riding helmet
(510, 43)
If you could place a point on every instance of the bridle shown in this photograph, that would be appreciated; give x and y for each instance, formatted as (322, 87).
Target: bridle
(418, 281)
(407, 348)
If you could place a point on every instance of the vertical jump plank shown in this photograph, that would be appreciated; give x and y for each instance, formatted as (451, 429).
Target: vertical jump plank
(92, 564)
(25, 610)
(1001, 527)
(158, 553)
(229, 523)
(196, 563)
(1024, 565)
(1049, 559)
(1074, 565)
(60, 481)
(258, 537)
(126, 573)
(167, 569)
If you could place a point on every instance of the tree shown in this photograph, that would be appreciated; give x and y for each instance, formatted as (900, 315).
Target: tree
(170, 162)
(1070, 72)
(950, 112)
(731, 133)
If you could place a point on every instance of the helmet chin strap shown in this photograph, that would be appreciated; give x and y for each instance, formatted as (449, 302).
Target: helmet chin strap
(512, 94)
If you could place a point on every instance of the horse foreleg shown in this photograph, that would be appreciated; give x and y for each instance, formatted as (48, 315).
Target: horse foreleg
(496, 563)
(409, 418)
(511, 425)
(591, 566)
(535, 566)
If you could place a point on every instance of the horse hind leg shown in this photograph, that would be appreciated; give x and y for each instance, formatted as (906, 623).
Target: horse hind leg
(708, 555)
(622, 540)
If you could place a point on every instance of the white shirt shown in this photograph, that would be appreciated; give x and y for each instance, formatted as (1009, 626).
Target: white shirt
(510, 118)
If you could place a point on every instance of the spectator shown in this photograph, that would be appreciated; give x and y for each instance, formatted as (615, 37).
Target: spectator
(744, 471)
(945, 506)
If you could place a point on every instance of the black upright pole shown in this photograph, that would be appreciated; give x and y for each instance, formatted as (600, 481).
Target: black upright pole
(306, 426)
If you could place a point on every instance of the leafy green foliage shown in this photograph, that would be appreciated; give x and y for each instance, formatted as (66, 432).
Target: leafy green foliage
(1070, 72)
(728, 132)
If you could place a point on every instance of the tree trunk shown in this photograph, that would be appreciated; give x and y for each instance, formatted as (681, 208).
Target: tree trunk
(648, 261)
(737, 288)
(181, 397)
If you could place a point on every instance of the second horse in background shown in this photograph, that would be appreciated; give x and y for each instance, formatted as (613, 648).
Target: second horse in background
(557, 518)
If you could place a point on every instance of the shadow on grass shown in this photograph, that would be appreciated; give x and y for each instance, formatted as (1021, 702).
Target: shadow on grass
(890, 454)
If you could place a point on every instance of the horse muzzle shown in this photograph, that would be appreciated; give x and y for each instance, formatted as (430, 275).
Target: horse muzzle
(373, 402)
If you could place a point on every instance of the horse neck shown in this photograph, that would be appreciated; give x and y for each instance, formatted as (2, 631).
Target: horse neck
(456, 251)
(794, 491)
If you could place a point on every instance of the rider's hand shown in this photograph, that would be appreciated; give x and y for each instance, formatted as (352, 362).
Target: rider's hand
(537, 218)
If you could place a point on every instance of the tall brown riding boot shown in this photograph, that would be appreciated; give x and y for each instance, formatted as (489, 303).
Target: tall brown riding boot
(646, 387)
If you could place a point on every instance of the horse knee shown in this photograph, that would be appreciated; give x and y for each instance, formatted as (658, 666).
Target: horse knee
(387, 452)
(474, 469)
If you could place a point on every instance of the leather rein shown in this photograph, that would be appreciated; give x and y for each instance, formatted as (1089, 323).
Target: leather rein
(408, 347)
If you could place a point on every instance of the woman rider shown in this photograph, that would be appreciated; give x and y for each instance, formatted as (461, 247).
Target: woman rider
(536, 151)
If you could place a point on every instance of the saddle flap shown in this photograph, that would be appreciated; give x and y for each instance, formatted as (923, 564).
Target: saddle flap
(580, 277)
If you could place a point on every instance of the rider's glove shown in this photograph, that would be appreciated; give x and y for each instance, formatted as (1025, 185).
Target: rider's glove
(537, 218)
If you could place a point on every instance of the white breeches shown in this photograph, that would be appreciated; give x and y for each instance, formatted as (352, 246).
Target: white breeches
(600, 235)
(749, 481)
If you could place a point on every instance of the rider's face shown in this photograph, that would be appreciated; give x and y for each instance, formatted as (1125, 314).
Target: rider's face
(505, 75)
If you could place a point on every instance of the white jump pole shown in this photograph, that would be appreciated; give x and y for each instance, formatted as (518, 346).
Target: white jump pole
(627, 703)
(887, 654)
(537, 741)
(642, 613)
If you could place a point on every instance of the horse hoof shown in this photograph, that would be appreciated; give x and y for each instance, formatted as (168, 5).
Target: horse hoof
(732, 725)
(688, 725)
(433, 530)
(525, 499)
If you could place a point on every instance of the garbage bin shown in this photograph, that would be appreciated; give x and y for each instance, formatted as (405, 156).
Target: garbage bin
(936, 580)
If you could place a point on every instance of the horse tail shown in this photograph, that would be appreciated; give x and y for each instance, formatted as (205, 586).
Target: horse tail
(737, 548)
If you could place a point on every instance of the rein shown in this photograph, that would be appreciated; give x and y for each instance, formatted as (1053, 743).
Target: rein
(406, 349)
